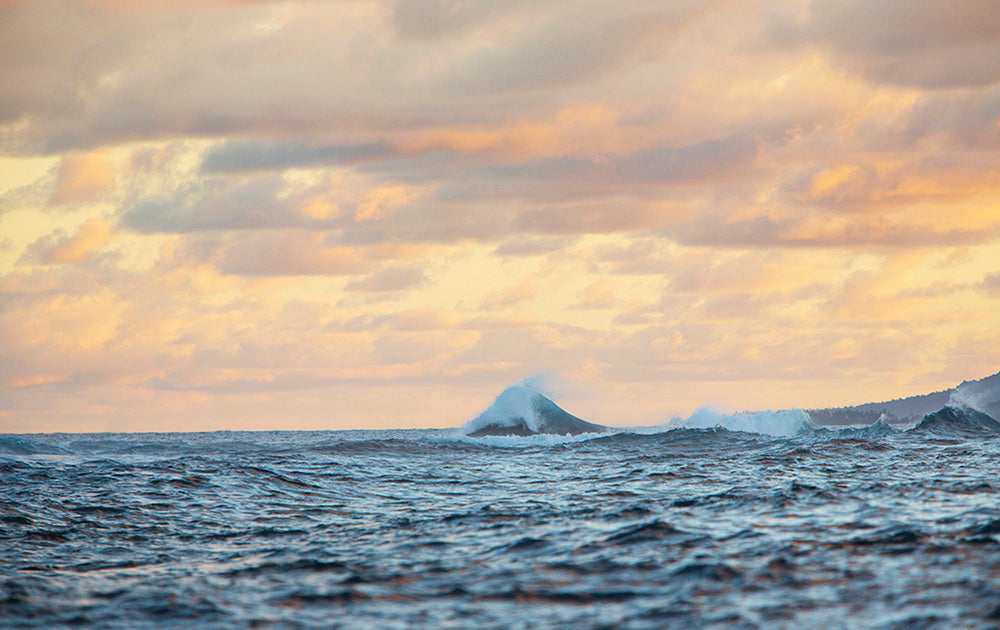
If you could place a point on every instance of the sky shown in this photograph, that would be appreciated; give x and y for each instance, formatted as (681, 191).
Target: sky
(371, 214)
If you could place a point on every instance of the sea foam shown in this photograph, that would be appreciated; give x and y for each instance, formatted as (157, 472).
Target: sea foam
(514, 405)
(776, 423)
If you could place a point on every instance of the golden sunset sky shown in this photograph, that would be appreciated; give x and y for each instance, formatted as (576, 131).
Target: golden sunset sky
(374, 214)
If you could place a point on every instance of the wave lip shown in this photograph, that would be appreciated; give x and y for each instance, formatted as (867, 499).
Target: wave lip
(521, 411)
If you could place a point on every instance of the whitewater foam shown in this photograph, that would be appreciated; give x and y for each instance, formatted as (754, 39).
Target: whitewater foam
(786, 423)
(514, 405)
(523, 441)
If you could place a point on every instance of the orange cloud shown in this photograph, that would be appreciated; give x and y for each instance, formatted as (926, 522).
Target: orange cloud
(83, 177)
(521, 291)
(599, 294)
(380, 200)
(90, 237)
(584, 128)
(32, 380)
(58, 248)
(72, 323)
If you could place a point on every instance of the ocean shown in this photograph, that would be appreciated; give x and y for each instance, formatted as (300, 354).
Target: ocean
(656, 528)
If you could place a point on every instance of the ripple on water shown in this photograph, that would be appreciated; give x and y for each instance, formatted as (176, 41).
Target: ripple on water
(686, 528)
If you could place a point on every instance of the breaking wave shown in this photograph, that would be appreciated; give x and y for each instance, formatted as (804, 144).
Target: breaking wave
(774, 423)
(956, 420)
(521, 411)
(521, 416)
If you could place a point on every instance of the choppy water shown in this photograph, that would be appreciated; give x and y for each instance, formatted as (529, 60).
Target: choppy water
(682, 529)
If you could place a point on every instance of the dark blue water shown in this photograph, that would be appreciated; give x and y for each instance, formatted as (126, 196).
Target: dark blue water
(395, 529)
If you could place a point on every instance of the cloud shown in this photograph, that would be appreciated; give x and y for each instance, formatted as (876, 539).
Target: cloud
(267, 201)
(658, 164)
(38, 78)
(103, 76)
(739, 306)
(610, 192)
(246, 155)
(288, 255)
(435, 18)
(599, 294)
(391, 279)
(278, 253)
(847, 185)
(819, 231)
(584, 218)
(532, 246)
(924, 43)
(427, 222)
(290, 252)
(423, 319)
(32, 195)
(701, 161)
(372, 206)
(643, 256)
(523, 290)
(992, 283)
(110, 76)
(563, 52)
(351, 204)
(83, 177)
(965, 120)
(215, 205)
(59, 248)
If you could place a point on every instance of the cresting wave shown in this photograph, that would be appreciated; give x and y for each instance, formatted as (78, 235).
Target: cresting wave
(521, 412)
(775, 423)
(955, 422)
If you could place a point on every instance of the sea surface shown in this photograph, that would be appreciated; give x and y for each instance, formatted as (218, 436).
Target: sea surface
(682, 528)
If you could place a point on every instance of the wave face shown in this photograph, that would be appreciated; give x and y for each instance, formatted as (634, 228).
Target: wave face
(957, 421)
(681, 528)
(774, 423)
(878, 429)
(521, 411)
(17, 445)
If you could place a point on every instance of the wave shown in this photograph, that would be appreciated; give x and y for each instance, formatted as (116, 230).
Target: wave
(957, 420)
(17, 445)
(878, 429)
(521, 411)
(786, 423)
(520, 418)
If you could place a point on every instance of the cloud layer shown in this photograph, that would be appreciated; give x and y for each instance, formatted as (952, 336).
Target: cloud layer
(262, 214)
